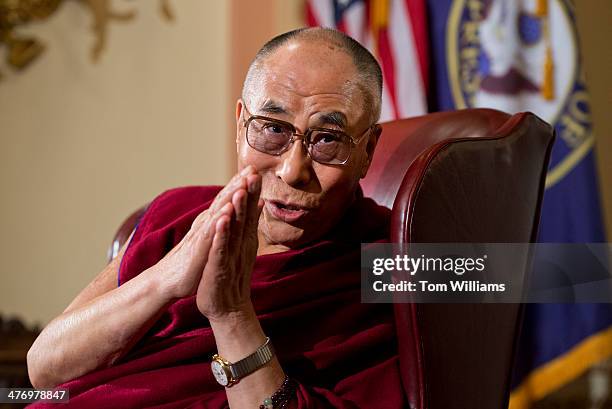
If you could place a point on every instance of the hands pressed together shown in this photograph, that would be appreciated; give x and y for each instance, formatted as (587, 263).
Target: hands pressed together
(215, 258)
(215, 261)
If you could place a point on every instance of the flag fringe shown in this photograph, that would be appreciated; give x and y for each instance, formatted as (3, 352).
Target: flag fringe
(541, 8)
(562, 370)
(548, 85)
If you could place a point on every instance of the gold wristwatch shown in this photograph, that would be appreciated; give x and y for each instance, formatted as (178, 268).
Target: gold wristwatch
(227, 373)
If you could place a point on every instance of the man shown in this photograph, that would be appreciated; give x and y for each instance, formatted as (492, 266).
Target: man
(274, 255)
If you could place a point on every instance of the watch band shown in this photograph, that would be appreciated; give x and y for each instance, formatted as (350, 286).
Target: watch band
(256, 360)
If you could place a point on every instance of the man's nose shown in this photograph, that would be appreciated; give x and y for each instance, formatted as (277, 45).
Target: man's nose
(295, 167)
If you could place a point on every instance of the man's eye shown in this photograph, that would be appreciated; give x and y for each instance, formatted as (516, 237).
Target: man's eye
(326, 138)
(273, 128)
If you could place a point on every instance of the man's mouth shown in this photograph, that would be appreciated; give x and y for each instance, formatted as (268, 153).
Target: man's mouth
(287, 212)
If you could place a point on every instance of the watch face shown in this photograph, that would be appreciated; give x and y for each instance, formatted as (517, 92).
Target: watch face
(219, 373)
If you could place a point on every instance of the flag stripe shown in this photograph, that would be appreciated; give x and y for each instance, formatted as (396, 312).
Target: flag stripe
(323, 12)
(311, 20)
(401, 47)
(417, 15)
(356, 23)
(387, 113)
(409, 88)
(388, 67)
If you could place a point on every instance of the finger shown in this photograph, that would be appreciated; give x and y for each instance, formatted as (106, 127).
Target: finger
(206, 228)
(249, 243)
(217, 256)
(205, 235)
(252, 218)
(260, 206)
(226, 211)
(239, 202)
(225, 195)
(236, 183)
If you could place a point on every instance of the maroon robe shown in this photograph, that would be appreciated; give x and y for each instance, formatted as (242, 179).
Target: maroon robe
(342, 353)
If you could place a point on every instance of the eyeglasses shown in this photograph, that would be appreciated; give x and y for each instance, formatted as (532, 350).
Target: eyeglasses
(274, 137)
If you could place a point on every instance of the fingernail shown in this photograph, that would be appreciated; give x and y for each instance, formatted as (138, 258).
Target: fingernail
(254, 185)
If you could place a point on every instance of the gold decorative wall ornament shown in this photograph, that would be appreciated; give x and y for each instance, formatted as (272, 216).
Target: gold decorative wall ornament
(22, 50)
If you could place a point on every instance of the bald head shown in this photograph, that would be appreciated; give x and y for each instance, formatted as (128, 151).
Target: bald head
(368, 73)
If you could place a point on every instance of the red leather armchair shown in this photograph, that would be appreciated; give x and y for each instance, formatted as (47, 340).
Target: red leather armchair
(464, 176)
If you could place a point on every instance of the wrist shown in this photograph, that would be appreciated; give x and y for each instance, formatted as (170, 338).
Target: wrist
(229, 373)
(234, 319)
(237, 334)
(157, 284)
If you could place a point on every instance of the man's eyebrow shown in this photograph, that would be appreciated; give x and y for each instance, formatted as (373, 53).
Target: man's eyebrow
(328, 118)
(333, 118)
(271, 107)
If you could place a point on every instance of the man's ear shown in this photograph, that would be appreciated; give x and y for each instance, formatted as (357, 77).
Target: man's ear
(370, 147)
(239, 107)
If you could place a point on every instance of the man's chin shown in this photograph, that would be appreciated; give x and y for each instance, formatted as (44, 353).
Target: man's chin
(277, 232)
(290, 234)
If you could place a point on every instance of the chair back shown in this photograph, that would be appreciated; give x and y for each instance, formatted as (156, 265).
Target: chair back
(470, 176)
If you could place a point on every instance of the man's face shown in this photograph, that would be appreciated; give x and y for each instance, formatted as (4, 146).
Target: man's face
(309, 85)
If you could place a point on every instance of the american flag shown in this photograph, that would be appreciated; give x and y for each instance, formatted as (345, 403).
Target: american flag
(395, 31)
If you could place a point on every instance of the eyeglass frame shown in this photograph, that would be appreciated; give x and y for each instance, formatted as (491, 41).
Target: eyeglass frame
(303, 136)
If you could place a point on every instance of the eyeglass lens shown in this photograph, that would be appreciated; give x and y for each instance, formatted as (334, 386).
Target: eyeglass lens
(274, 138)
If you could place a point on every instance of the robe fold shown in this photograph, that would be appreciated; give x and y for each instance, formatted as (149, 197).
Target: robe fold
(341, 353)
